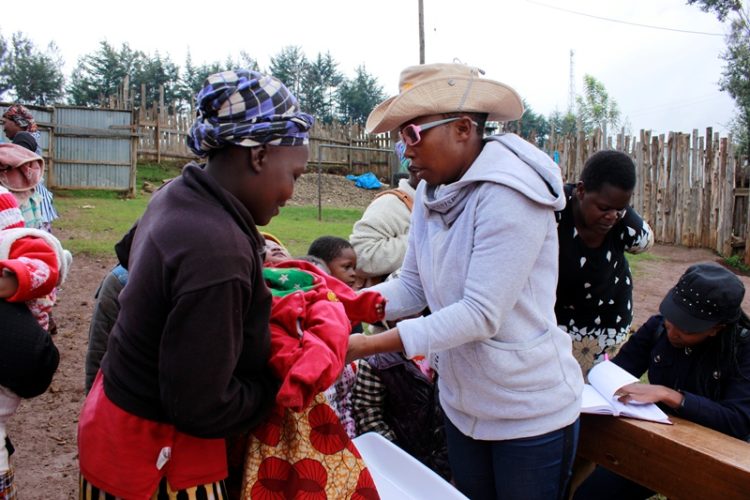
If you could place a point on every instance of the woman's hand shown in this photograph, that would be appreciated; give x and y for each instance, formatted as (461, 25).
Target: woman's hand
(648, 393)
(361, 346)
(355, 350)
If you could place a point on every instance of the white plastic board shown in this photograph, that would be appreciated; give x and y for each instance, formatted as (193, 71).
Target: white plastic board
(398, 475)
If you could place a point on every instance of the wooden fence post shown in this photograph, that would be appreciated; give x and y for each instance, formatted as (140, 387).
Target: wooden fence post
(696, 191)
(663, 208)
(726, 196)
(646, 176)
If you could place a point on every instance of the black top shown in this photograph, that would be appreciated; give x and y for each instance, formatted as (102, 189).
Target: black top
(715, 396)
(28, 358)
(595, 287)
(191, 343)
(26, 140)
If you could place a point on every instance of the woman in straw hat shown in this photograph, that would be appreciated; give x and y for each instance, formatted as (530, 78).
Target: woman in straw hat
(187, 360)
(483, 256)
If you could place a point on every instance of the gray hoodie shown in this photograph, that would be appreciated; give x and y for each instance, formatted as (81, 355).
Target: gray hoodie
(483, 255)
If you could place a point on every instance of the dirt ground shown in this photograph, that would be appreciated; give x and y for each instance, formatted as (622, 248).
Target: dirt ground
(44, 429)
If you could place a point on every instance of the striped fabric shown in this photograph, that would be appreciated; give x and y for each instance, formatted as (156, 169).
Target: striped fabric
(211, 491)
(46, 208)
(7, 485)
(246, 108)
(32, 212)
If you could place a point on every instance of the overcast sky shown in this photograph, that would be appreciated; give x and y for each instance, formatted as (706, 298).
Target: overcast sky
(662, 79)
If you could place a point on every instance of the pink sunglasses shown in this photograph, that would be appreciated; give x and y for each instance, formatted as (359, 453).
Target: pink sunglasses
(411, 134)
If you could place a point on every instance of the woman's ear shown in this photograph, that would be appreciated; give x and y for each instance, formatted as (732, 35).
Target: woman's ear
(580, 190)
(258, 155)
(464, 128)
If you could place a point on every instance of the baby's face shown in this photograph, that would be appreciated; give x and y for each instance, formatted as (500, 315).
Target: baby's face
(344, 266)
(275, 253)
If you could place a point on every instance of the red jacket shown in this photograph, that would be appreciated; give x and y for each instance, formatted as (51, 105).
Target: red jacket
(35, 264)
(310, 331)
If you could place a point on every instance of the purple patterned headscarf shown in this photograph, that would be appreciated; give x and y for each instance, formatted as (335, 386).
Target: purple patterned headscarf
(246, 108)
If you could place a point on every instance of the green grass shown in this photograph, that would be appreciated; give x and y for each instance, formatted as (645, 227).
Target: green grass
(737, 262)
(635, 260)
(93, 224)
(297, 227)
(155, 173)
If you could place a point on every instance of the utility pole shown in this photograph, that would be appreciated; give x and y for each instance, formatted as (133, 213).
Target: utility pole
(571, 84)
(421, 31)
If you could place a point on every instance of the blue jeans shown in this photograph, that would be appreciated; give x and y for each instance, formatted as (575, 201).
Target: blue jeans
(531, 468)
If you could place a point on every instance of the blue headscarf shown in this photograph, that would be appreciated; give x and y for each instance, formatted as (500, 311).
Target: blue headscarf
(246, 108)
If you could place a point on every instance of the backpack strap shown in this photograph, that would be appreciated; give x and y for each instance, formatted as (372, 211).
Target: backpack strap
(404, 197)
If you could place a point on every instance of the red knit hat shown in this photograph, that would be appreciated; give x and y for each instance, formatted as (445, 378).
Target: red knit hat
(10, 214)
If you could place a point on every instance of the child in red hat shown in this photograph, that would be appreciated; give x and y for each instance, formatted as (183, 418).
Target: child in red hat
(32, 263)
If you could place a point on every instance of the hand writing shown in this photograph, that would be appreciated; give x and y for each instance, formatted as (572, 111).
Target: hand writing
(648, 393)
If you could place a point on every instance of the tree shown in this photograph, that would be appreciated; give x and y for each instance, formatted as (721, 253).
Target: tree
(563, 124)
(101, 73)
(595, 107)
(736, 76)
(4, 66)
(193, 78)
(531, 126)
(33, 76)
(320, 81)
(153, 73)
(289, 66)
(358, 96)
(248, 62)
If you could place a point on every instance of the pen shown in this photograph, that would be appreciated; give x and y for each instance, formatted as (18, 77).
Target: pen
(606, 357)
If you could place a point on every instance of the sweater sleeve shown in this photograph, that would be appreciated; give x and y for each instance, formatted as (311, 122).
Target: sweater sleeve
(405, 296)
(35, 265)
(204, 326)
(511, 237)
(380, 237)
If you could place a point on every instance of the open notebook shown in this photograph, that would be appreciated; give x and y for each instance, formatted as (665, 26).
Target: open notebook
(599, 397)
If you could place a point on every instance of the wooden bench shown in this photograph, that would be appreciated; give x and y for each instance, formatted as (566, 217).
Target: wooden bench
(684, 460)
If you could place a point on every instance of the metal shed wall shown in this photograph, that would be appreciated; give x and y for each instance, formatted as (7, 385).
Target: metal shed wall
(93, 149)
(86, 148)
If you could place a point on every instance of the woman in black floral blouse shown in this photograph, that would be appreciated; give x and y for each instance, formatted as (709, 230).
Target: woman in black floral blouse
(596, 228)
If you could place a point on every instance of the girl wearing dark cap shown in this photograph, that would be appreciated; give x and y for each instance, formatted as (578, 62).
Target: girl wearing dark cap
(697, 355)
(187, 360)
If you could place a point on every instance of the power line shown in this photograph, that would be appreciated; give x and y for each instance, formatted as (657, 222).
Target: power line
(650, 26)
(659, 108)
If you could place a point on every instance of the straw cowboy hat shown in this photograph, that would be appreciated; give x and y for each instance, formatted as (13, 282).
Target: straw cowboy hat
(429, 89)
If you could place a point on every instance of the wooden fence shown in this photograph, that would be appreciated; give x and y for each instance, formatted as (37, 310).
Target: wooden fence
(162, 136)
(692, 189)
